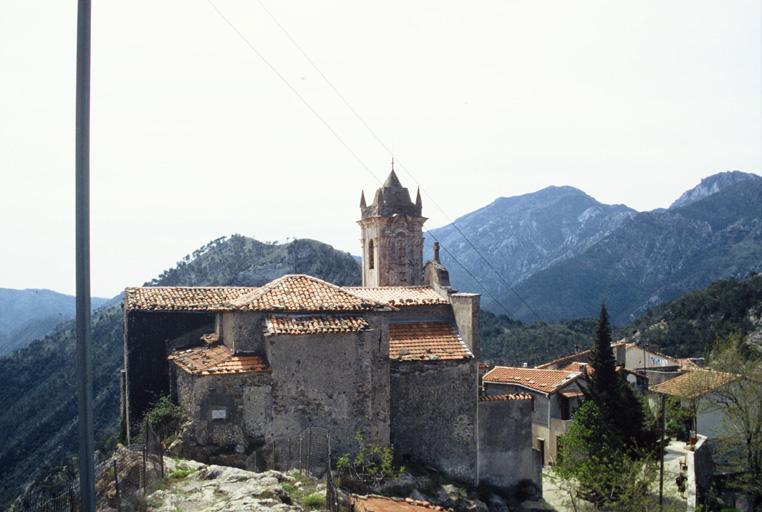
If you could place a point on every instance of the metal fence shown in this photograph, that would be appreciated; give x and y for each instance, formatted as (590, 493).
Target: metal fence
(308, 451)
(121, 482)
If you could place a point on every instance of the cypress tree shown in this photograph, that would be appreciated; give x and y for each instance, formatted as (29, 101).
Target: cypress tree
(620, 409)
(603, 381)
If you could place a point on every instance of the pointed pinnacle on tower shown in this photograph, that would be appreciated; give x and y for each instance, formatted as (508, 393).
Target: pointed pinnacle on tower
(392, 181)
(418, 202)
(362, 200)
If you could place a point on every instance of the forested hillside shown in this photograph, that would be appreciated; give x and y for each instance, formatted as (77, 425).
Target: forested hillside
(512, 343)
(688, 326)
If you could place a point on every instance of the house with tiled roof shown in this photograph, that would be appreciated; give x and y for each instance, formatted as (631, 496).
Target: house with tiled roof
(394, 360)
(699, 390)
(640, 363)
(554, 396)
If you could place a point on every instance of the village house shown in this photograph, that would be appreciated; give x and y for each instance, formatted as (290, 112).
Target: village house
(555, 395)
(394, 360)
(639, 363)
(699, 390)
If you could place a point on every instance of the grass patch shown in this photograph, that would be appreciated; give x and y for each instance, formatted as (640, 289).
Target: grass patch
(181, 471)
(306, 492)
(314, 500)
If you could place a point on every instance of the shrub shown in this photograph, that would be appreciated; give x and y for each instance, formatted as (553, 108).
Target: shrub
(165, 417)
(314, 500)
(371, 464)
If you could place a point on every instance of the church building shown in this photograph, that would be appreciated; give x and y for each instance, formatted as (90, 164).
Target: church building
(395, 359)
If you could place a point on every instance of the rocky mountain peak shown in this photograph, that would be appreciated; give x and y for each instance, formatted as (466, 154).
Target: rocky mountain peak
(711, 185)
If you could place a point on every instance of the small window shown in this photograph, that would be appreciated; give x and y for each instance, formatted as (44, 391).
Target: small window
(371, 255)
(565, 409)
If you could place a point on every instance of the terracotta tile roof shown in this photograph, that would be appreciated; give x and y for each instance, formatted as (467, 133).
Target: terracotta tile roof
(581, 356)
(421, 341)
(400, 296)
(312, 324)
(287, 293)
(575, 366)
(182, 298)
(571, 393)
(303, 293)
(545, 381)
(509, 396)
(385, 504)
(694, 383)
(217, 360)
(690, 362)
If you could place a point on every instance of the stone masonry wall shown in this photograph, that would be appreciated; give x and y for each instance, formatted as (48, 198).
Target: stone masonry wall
(338, 382)
(506, 456)
(465, 308)
(398, 251)
(243, 331)
(244, 400)
(541, 401)
(434, 415)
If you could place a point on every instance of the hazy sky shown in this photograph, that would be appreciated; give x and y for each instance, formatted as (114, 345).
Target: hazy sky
(194, 137)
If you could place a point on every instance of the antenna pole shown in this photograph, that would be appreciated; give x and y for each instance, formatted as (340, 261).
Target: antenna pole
(84, 342)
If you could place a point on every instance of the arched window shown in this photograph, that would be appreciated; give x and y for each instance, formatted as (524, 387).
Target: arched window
(371, 255)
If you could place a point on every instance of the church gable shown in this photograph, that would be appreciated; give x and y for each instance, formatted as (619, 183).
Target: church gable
(303, 293)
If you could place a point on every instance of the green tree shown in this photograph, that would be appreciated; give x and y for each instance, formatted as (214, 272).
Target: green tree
(621, 411)
(593, 466)
(741, 402)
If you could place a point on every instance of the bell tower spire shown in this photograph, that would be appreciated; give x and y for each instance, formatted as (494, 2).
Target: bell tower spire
(392, 236)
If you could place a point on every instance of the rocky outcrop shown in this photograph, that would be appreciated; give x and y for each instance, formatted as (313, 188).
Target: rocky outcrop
(712, 185)
(221, 488)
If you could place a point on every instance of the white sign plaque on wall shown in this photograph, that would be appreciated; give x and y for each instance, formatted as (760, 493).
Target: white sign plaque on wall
(219, 414)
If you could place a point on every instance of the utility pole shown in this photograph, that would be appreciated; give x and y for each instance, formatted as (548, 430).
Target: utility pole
(84, 342)
(663, 450)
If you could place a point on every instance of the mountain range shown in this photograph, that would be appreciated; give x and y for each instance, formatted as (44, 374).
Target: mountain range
(26, 315)
(558, 253)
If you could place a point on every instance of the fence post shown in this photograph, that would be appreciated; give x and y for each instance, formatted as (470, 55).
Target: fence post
(116, 486)
(161, 457)
(301, 467)
(309, 449)
(145, 450)
(72, 500)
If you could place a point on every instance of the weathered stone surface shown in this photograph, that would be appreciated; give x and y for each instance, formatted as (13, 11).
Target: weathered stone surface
(506, 459)
(219, 488)
(433, 407)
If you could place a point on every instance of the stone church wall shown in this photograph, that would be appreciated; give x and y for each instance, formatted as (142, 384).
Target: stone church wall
(145, 355)
(230, 412)
(243, 331)
(338, 382)
(506, 457)
(434, 415)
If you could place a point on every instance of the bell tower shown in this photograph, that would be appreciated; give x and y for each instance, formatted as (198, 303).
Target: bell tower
(392, 236)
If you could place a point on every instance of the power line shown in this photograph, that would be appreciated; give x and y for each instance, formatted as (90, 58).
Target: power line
(388, 150)
(334, 133)
(292, 88)
(486, 291)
